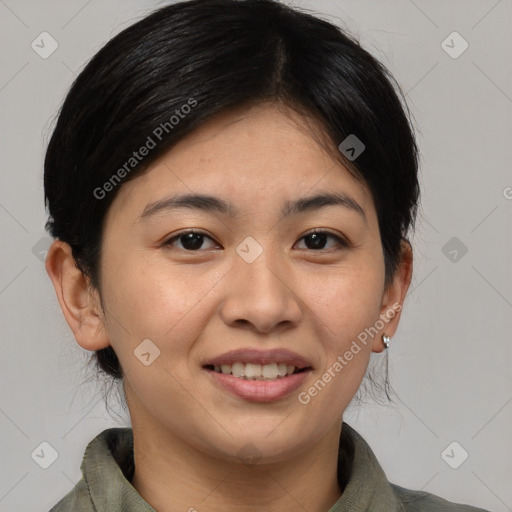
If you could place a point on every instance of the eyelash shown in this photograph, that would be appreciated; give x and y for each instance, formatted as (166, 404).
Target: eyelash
(341, 241)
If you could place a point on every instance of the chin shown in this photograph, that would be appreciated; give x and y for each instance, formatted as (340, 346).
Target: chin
(263, 443)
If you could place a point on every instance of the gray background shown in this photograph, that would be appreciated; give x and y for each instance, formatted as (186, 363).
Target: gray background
(451, 358)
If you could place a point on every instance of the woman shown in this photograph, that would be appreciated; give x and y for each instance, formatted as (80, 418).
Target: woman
(231, 185)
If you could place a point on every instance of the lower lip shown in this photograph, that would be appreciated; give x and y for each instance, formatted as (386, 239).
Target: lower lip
(260, 390)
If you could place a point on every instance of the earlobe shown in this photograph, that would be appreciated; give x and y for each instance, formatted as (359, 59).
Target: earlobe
(393, 299)
(78, 303)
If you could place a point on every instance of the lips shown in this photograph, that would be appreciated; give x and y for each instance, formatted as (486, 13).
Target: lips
(261, 357)
(259, 375)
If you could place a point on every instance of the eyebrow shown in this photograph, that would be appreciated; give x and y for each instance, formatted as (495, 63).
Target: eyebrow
(211, 203)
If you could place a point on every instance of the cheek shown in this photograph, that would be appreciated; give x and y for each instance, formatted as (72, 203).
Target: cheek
(154, 300)
(346, 303)
(347, 299)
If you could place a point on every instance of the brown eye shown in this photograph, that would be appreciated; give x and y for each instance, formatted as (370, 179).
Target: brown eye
(190, 240)
(316, 240)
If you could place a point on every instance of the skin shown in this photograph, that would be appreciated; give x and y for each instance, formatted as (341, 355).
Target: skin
(195, 305)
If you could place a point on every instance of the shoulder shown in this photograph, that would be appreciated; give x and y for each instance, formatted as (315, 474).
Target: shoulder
(105, 463)
(420, 501)
(369, 487)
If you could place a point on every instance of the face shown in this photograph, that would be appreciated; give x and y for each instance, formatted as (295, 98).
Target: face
(251, 280)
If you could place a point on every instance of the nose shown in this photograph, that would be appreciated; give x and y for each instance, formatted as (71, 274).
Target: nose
(262, 295)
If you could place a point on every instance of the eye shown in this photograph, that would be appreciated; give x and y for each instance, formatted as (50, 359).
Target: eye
(191, 240)
(316, 239)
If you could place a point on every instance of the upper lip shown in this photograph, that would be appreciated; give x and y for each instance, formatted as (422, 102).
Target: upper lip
(258, 356)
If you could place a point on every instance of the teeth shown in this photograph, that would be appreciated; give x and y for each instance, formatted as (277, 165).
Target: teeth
(270, 371)
(238, 370)
(251, 371)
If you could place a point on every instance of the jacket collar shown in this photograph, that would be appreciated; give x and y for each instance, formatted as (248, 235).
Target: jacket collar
(368, 487)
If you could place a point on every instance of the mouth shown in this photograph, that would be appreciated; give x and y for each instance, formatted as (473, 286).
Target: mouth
(260, 383)
(256, 371)
(259, 376)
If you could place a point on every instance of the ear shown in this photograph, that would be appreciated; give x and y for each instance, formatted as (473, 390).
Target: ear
(394, 296)
(80, 305)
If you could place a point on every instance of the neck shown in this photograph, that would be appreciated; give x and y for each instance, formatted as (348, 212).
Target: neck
(173, 476)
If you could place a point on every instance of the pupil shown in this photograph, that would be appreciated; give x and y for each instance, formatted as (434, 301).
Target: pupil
(192, 241)
(318, 240)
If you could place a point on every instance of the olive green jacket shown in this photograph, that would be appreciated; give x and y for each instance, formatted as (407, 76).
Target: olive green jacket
(108, 461)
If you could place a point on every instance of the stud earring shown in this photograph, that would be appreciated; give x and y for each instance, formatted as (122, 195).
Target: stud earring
(386, 339)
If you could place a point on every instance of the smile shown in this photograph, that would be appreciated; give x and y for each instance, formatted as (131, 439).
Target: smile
(251, 371)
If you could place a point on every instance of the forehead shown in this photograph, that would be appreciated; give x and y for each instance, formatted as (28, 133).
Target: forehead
(251, 156)
(264, 133)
